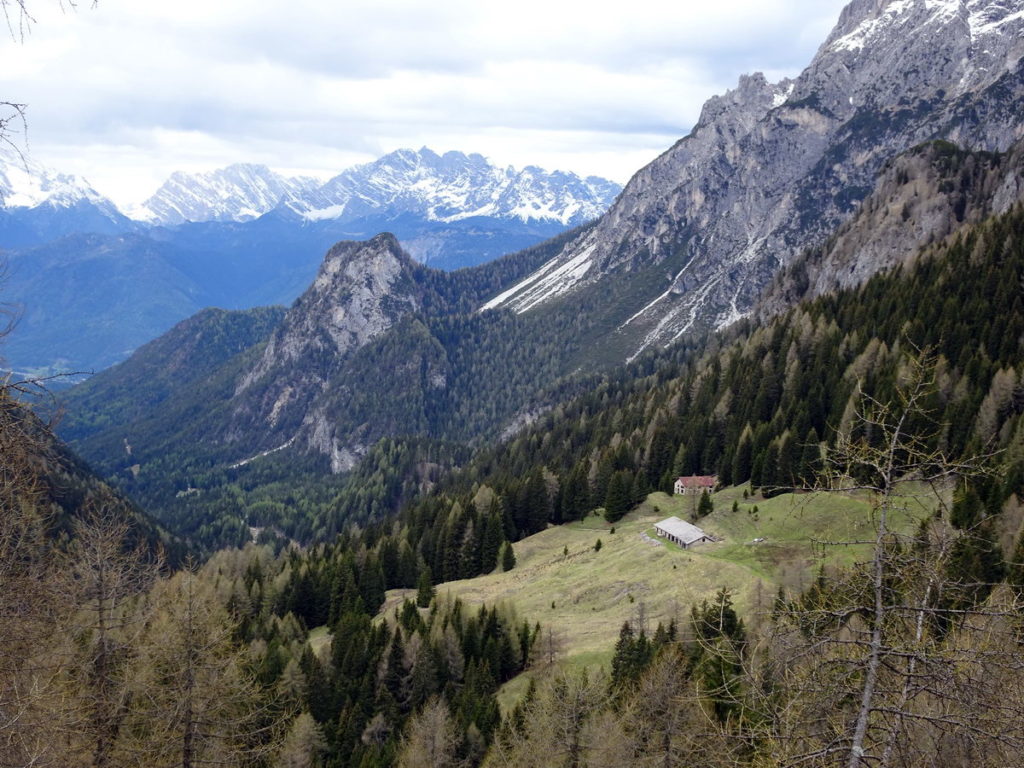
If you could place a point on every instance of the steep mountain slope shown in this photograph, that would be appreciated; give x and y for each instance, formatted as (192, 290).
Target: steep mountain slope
(771, 169)
(326, 380)
(40, 475)
(922, 197)
(239, 192)
(182, 358)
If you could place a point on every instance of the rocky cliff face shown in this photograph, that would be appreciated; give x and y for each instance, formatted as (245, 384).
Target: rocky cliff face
(772, 169)
(922, 197)
(361, 291)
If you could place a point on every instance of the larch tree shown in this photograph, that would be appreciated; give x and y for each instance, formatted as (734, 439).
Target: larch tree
(195, 701)
(32, 597)
(912, 658)
(431, 738)
(108, 577)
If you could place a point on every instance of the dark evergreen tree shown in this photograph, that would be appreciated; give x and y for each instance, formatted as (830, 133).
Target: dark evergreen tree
(705, 506)
(618, 500)
(508, 557)
(425, 591)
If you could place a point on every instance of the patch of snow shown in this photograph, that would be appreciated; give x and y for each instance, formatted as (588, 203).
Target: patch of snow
(552, 279)
(783, 96)
(982, 25)
(869, 28)
(322, 214)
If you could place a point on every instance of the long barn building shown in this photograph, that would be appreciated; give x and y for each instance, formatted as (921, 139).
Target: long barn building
(681, 532)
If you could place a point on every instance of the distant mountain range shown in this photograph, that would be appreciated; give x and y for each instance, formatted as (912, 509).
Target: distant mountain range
(438, 188)
(38, 204)
(94, 284)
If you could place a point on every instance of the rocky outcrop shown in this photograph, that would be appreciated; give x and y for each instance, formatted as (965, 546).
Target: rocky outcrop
(771, 170)
(362, 290)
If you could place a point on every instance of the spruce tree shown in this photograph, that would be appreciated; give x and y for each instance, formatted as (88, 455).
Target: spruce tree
(508, 557)
(425, 591)
(705, 506)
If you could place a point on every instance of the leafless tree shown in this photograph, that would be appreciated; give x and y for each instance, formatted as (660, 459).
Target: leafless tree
(667, 724)
(108, 577)
(903, 661)
(31, 598)
(559, 728)
(430, 739)
(195, 702)
(19, 19)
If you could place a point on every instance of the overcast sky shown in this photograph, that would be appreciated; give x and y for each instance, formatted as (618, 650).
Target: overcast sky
(132, 90)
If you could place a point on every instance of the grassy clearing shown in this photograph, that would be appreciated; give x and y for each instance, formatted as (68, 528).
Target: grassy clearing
(586, 595)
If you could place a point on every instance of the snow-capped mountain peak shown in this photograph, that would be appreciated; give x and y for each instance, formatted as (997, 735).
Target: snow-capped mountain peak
(239, 192)
(25, 183)
(456, 186)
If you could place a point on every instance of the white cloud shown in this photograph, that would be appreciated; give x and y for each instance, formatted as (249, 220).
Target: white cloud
(134, 89)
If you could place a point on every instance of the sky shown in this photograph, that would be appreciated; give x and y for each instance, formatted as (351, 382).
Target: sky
(128, 91)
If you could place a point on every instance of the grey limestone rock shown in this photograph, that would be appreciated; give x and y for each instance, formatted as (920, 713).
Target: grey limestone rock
(771, 170)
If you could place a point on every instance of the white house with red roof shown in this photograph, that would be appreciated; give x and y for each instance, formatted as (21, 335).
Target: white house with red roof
(695, 484)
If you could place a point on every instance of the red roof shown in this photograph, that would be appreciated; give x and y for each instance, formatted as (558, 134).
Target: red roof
(698, 481)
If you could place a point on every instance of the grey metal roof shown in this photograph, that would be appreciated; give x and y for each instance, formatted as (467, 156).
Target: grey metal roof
(681, 529)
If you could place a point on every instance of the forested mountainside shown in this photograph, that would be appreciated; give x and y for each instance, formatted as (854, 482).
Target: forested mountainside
(189, 435)
(465, 376)
(39, 473)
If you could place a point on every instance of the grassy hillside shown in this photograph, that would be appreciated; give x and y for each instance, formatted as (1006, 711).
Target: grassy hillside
(586, 595)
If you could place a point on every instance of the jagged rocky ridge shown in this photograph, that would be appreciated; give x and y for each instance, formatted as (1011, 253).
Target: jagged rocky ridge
(772, 169)
(239, 192)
